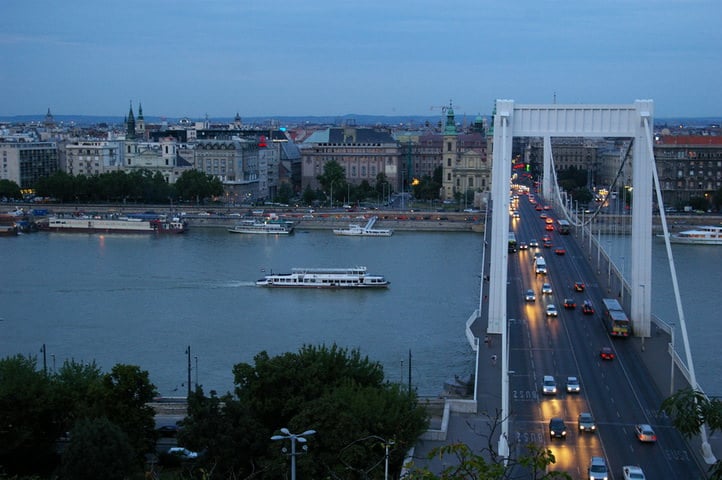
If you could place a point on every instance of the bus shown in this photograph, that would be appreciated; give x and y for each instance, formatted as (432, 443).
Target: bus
(512, 242)
(563, 227)
(615, 318)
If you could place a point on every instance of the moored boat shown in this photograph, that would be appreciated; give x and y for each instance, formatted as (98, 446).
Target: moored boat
(354, 277)
(8, 225)
(356, 230)
(701, 235)
(278, 227)
(113, 224)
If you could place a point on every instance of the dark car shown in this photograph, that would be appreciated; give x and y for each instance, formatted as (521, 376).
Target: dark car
(560, 251)
(579, 286)
(570, 304)
(587, 308)
(167, 430)
(606, 353)
(557, 428)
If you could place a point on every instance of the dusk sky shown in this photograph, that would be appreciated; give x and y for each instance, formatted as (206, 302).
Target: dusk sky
(218, 57)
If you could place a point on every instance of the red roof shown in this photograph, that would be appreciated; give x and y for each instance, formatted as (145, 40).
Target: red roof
(689, 140)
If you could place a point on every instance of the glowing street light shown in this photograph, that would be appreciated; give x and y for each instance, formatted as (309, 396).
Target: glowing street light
(300, 438)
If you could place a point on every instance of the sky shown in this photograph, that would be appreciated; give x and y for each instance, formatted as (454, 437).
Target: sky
(182, 58)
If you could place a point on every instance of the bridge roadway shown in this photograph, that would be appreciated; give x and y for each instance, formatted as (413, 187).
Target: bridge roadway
(619, 393)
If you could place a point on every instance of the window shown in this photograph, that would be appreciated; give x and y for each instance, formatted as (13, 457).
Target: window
(448, 146)
(448, 162)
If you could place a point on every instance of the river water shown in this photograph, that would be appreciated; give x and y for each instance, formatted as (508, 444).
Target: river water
(143, 300)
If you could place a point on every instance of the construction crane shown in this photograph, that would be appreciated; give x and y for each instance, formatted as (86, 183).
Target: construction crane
(443, 108)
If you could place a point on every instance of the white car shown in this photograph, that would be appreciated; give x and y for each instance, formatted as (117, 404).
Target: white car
(182, 452)
(546, 289)
(573, 385)
(552, 311)
(633, 472)
(533, 243)
(530, 296)
(549, 385)
(598, 469)
(645, 433)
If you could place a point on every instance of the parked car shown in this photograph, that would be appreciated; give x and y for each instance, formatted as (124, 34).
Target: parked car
(598, 469)
(573, 385)
(557, 428)
(645, 433)
(633, 472)
(585, 422)
(549, 385)
(182, 452)
(606, 353)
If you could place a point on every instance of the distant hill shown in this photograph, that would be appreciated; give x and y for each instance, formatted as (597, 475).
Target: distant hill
(410, 121)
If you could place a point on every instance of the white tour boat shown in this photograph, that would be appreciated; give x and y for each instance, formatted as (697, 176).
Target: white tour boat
(354, 277)
(277, 227)
(701, 235)
(356, 230)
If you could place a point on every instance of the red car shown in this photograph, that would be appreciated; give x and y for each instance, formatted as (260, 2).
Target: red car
(560, 251)
(538, 208)
(587, 308)
(549, 227)
(606, 353)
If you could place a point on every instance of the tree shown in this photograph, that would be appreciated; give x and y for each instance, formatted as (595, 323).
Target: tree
(308, 195)
(98, 449)
(333, 179)
(127, 391)
(689, 410)
(284, 194)
(335, 391)
(9, 189)
(194, 185)
(28, 427)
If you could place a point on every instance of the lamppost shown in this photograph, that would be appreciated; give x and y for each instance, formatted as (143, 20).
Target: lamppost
(387, 444)
(300, 438)
(188, 351)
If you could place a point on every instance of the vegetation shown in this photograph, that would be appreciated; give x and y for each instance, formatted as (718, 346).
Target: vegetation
(574, 181)
(338, 393)
(428, 187)
(689, 410)
(9, 189)
(141, 186)
(77, 404)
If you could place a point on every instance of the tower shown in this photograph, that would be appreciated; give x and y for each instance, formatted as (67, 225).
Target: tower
(449, 155)
(130, 124)
(140, 125)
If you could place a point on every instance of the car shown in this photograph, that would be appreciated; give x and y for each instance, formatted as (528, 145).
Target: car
(533, 243)
(551, 310)
(587, 308)
(523, 246)
(530, 296)
(573, 385)
(183, 453)
(549, 227)
(570, 304)
(579, 286)
(585, 422)
(547, 244)
(543, 215)
(546, 238)
(633, 472)
(557, 428)
(549, 220)
(547, 207)
(546, 289)
(598, 469)
(538, 208)
(560, 251)
(606, 353)
(549, 385)
(645, 433)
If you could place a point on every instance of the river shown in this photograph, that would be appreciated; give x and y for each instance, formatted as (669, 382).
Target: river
(143, 300)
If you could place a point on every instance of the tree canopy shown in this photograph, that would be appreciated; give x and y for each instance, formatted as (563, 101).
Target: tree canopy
(336, 392)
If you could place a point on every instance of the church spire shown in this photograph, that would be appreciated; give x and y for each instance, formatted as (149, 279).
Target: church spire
(130, 124)
(450, 128)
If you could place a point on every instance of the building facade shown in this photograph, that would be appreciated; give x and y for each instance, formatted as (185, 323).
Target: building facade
(27, 162)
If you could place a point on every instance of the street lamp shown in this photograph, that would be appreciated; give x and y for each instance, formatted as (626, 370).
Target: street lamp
(294, 438)
(387, 444)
